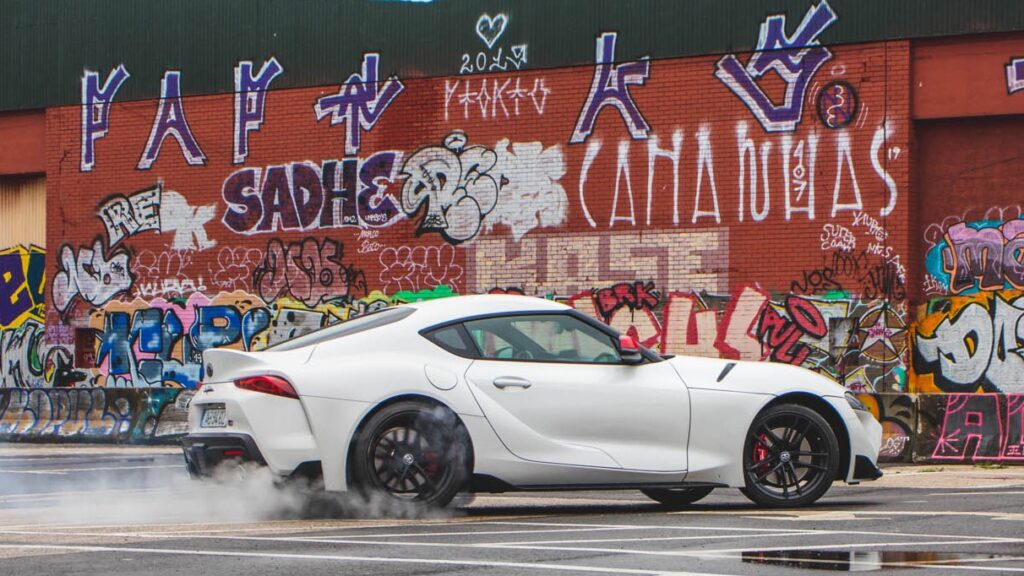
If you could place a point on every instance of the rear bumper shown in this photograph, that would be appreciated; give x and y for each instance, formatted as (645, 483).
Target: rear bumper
(205, 452)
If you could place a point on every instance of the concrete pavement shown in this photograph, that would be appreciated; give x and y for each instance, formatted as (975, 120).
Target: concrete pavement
(109, 510)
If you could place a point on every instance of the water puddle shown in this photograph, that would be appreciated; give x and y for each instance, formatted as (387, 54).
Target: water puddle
(867, 561)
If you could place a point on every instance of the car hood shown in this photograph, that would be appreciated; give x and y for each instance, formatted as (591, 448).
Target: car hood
(770, 378)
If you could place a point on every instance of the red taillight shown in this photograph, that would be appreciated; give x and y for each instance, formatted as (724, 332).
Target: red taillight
(268, 385)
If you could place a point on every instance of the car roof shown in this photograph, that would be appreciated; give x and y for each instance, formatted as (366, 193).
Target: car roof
(442, 310)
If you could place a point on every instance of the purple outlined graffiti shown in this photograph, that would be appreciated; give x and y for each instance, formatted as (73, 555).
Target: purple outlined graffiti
(170, 121)
(250, 101)
(96, 110)
(360, 102)
(1015, 75)
(611, 88)
(305, 196)
(795, 58)
(980, 256)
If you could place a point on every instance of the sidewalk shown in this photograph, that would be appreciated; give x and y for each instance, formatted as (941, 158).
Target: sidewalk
(950, 476)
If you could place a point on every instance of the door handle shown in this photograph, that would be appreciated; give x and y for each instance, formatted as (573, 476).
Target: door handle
(511, 382)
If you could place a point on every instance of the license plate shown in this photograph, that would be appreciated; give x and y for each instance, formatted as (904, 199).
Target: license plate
(214, 418)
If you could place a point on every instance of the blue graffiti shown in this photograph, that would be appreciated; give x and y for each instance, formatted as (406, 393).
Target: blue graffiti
(158, 332)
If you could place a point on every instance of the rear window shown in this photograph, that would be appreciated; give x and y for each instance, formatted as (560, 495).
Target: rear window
(453, 339)
(365, 322)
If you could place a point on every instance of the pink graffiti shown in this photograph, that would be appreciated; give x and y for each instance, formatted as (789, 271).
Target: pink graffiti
(982, 427)
(687, 328)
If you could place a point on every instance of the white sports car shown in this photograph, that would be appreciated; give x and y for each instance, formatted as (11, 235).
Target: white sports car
(499, 393)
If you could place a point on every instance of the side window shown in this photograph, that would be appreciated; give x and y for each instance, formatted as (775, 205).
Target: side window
(542, 338)
(451, 339)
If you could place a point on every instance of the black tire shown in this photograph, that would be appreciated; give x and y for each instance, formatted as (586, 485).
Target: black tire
(412, 452)
(790, 457)
(677, 497)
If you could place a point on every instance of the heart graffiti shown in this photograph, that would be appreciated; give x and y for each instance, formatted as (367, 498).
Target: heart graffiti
(490, 29)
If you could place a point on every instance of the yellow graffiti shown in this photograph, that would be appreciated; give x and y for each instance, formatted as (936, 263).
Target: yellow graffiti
(22, 283)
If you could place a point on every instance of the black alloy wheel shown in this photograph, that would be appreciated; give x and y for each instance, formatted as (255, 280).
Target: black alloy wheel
(677, 497)
(790, 458)
(412, 452)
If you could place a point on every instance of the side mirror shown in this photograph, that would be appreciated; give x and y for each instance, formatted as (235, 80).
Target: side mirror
(629, 350)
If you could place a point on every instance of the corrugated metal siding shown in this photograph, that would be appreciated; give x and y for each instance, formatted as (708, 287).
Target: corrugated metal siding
(45, 44)
(22, 211)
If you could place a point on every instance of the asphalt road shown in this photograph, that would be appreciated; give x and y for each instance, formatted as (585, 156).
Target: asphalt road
(110, 511)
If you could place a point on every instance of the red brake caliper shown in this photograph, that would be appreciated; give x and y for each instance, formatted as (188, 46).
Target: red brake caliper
(761, 453)
(430, 462)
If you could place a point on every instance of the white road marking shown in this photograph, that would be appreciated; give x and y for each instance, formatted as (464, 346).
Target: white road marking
(836, 515)
(986, 493)
(670, 538)
(332, 557)
(470, 533)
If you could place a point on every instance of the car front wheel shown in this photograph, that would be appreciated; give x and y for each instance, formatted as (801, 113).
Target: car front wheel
(790, 458)
(412, 452)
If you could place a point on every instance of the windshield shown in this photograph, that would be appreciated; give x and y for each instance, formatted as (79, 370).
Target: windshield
(365, 322)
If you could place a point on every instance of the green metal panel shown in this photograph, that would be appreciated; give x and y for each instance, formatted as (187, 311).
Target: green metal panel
(45, 44)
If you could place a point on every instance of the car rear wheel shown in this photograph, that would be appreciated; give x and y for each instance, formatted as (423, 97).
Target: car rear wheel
(790, 458)
(412, 452)
(677, 497)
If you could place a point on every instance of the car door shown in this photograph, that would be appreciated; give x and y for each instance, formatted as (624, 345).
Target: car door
(555, 389)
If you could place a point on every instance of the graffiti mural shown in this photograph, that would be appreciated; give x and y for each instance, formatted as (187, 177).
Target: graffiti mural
(93, 414)
(304, 196)
(91, 275)
(360, 103)
(979, 427)
(795, 58)
(978, 256)
(898, 415)
(22, 283)
(453, 189)
(490, 29)
(1015, 75)
(310, 271)
(970, 344)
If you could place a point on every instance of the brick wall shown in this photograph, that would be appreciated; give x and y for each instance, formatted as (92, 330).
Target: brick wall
(681, 214)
